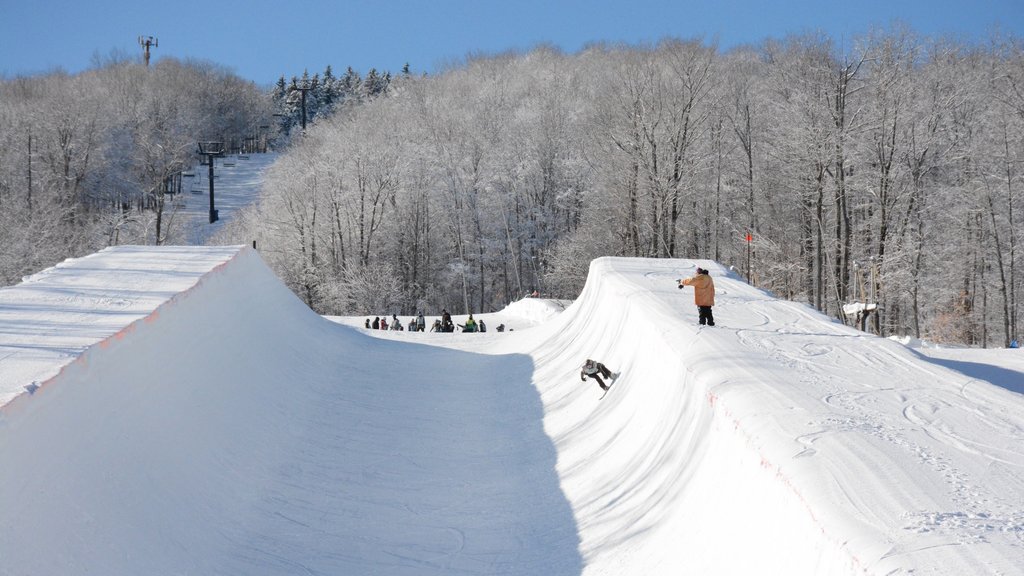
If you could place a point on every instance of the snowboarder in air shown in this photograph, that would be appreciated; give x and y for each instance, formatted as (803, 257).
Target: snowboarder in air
(703, 294)
(596, 370)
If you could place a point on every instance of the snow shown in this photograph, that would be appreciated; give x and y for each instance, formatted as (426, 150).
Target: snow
(855, 308)
(193, 416)
(52, 317)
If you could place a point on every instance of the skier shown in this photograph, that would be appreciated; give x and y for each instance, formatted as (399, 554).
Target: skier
(595, 370)
(703, 294)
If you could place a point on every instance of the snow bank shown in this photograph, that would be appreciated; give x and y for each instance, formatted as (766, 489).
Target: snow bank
(534, 310)
(777, 442)
(52, 317)
(224, 428)
(233, 431)
(662, 474)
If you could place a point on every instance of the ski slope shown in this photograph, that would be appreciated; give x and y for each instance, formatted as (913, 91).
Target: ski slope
(179, 411)
(237, 180)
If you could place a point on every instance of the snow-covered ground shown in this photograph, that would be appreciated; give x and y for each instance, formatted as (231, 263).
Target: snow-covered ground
(189, 415)
(997, 366)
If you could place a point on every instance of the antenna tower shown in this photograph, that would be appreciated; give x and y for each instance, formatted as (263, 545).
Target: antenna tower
(146, 42)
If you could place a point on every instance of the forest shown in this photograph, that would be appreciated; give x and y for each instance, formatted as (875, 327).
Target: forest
(885, 172)
(90, 160)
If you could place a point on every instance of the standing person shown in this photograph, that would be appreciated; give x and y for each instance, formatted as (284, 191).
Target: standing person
(420, 323)
(703, 294)
(596, 370)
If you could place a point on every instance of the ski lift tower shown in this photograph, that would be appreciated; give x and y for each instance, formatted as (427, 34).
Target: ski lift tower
(291, 100)
(211, 150)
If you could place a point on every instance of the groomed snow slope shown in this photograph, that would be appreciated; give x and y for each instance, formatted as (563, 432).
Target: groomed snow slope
(233, 431)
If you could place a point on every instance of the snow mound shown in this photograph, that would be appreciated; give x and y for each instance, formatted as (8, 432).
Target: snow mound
(225, 428)
(534, 310)
(234, 431)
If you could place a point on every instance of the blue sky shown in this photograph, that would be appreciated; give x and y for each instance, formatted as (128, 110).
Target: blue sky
(262, 40)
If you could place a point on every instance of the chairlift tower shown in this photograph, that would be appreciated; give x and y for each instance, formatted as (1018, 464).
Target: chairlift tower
(211, 150)
(146, 42)
(302, 89)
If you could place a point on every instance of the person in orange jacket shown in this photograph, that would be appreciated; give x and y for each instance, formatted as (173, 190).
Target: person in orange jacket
(703, 295)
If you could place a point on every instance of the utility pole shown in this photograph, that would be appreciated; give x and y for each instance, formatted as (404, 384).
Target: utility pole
(146, 42)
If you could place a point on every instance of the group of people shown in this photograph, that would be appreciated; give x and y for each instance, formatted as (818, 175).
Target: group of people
(415, 324)
(418, 324)
(445, 324)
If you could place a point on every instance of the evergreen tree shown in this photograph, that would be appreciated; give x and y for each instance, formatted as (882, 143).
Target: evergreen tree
(328, 92)
(351, 85)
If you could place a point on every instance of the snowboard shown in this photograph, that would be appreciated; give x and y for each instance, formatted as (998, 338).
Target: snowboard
(611, 381)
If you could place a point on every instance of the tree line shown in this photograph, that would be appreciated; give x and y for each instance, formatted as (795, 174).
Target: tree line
(88, 160)
(887, 172)
(318, 96)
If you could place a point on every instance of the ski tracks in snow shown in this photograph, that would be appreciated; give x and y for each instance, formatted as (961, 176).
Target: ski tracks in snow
(919, 424)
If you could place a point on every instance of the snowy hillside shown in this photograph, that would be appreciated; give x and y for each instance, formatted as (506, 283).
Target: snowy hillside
(188, 414)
